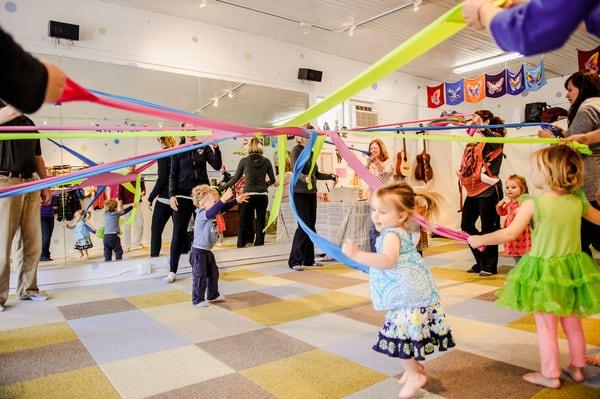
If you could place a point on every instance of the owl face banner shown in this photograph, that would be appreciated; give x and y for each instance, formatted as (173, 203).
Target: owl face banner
(455, 92)
(491, 86)
(588, 60)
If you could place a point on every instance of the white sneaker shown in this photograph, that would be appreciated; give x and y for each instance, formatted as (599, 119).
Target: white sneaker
(298, 268)
(202, 304)
(33, 297)
(169, 278)
(2, 308)
(220, 298)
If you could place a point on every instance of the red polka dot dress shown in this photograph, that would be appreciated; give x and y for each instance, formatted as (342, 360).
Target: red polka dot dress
(522, 244)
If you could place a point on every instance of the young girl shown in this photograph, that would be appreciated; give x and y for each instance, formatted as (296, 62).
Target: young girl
(205, 273)
(555, 279)
(82, 227)
(402, 284)
(515, 186)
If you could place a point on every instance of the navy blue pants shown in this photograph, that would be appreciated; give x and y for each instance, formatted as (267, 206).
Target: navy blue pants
(205, 275)
(112, 242)
(47, 229)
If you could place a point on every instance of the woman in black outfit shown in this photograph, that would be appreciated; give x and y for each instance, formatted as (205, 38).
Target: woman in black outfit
(483, 205)
(187, 171)
(255, 168)
(162, 209)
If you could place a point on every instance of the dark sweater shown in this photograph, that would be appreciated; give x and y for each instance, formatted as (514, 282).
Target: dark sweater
(161, 188)
(18, 156)
(189, 169)
(255, 169)
(301, 187)
(23, 77)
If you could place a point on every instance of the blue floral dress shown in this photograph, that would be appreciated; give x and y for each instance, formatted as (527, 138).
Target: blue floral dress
(82, 236)
(415, 322)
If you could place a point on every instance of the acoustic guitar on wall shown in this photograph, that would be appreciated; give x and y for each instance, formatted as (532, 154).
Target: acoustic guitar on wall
(403, 166)
(423, 171)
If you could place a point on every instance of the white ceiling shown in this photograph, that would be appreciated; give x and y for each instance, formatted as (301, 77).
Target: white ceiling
(280, 20)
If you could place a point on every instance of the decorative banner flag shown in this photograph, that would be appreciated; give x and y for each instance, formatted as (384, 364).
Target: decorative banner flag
(515, 82)
(588, 60)
(435, 96)
(455, 92)
(495, 85)
(474, 89)
(535, 78)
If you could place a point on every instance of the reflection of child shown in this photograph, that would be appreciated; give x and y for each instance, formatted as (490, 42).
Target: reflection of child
(401, 283)
(556, 280)
(82, 228)
(515, 186)
(112, 241)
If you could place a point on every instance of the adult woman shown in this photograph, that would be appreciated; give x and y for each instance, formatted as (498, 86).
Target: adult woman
(483, 205)
(519, 28)
(382, 168)
(303, 250)
(255, 168)
(583, 93)
(187, 171)
(162, 209)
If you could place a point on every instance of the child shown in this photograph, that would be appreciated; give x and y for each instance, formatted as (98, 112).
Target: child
(402, 284)
(82, 227)
(515, 186)
(555, 279)
(111, 240)
(205, 274)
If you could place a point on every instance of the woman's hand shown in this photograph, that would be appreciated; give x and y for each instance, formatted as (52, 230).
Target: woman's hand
(227, 195)
(546, 134)
(173, 202)
(475, 241)
(349, 249)
(243, 197)
(56, 82)
(478, 14)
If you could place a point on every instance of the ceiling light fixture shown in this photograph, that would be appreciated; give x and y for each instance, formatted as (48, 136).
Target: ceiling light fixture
(216, 102)
(351, 30)
(417, 4)
(230, 95)
(306, 27)
(486, 62)
(202, 4)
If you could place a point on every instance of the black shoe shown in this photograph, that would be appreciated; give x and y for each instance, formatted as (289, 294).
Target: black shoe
(474, 269)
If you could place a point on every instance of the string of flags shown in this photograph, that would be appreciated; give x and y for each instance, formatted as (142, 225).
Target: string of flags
(487, 86)
(588, 60)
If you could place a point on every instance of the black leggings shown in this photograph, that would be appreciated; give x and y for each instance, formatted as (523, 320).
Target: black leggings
(484, 208)
(181, 219)
(303, 249)
(160, 216)
(590, 233)
(246, 232)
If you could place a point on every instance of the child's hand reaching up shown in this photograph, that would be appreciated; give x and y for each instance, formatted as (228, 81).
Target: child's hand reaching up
(349, 249)
(475, 241)
(227, 195)
(243, 197)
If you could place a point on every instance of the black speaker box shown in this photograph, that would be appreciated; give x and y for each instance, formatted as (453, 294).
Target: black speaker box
(63, 30)
(310, 74)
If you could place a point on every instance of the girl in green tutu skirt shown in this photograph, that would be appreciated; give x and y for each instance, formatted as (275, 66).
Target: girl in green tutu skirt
(555, 280)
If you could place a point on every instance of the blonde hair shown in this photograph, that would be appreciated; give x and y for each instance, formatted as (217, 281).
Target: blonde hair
(167, 141)
(254, 147)
(521, 182)
(111, 205)
(288, 163)
(201, 192)
(382, 148)
(561, 166)
(302, 139)
(402, 196)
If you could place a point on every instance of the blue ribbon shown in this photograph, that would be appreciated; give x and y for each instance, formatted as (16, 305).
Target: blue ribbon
(77, 155)
(330, 248)
(141, 102)
(98, 194)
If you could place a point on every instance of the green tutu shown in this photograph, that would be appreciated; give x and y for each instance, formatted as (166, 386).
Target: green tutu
(564, 286)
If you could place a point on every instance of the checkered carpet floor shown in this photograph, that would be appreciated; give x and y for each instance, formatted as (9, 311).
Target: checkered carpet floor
(280, 334)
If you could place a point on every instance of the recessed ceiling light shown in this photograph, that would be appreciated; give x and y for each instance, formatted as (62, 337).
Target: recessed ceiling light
(202, 4)
(417, 4)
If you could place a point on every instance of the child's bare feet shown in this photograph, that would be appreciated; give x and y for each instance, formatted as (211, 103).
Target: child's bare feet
(577, 374)
(593, 360)
(538, 379)
(414, 382)
(404, 376)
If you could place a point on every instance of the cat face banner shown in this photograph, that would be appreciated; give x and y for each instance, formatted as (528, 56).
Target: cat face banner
(588, 60)
(535, 78)
(515, 82)
(435, 96)
(475, 89)
(455, 92)
(495, 85)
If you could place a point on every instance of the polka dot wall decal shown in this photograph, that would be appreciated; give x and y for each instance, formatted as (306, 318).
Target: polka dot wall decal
(102, 31)
(525, 93)
(56, 241)
(301, 55)
(195, 39)
(10, 6)
(116, 141)
(374, 86)
(248, 57)
(84, 147)
(558, 94)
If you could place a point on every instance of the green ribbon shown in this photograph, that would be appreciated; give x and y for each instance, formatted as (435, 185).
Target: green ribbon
(136, 199)
(316, 152)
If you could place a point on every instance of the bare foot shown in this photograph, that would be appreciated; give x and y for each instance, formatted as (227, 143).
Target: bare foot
(576, 373)
(593, 360)
(412, 386)
(538, 379)
(404, 376)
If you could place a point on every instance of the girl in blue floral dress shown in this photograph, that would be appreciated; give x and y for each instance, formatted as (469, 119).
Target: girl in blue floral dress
(401, 284)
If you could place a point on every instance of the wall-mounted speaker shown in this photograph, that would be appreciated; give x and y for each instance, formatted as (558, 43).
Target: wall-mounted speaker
(61, 30)
(310, 74)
